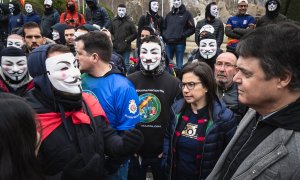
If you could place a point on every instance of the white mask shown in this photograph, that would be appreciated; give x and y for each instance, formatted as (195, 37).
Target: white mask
(208, 28)
(121, 12)
(208, 48)
(48, 2)
(18, 43)
(62, 73)
(150, 55)
(28, 8)
(14, 67)
(177, 3)
(214, 10)
(11, 8)
(77, 34)
(272, 6)
(55, 35)
(154, 6)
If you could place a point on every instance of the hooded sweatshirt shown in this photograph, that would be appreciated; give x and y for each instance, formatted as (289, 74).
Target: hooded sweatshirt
(271, 17)
(74, 19)
(210, 20)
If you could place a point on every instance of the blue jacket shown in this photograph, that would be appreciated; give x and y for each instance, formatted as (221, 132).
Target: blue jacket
(216, 139)
(117, 96)
(15, 21)
(32, 17)
(98, 16)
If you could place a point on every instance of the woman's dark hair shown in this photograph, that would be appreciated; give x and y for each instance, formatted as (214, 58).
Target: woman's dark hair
(206, 76)
(18, 139)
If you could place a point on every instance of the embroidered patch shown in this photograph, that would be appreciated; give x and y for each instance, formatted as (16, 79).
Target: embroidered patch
(150, 107)
(132, 107)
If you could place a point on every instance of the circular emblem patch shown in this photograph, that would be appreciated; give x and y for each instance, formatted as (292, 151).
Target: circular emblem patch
(150, 107)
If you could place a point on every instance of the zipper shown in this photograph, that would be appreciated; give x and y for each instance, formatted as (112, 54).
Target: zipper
(253, 129)
(171, 144)
(204, 145)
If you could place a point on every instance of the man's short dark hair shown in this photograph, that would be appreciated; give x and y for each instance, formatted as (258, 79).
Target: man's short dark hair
(97, 42)
(277, 47)
(58, 48)
(69, 27)
(148, 28)
(30, 25)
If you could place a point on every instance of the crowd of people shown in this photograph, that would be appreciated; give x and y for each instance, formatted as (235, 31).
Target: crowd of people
(76, 103)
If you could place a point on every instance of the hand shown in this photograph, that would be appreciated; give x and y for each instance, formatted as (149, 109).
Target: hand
(132, 140)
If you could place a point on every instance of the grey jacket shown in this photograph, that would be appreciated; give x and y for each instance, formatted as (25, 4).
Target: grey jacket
(277, 157)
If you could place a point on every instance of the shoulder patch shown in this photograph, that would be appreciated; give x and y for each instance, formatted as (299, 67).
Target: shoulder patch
(132, 107)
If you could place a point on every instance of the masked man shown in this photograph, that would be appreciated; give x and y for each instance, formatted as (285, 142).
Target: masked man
(72, 17)
(16, 18)
(151, 19)
(14, 75)
(212, 22)
(15, 40)
(208, 50)
(272, 14)
(157, 90)
(124, 32)
(178, 26)
(73, 117)
(95, 14)
(49, 18)
(31, 15)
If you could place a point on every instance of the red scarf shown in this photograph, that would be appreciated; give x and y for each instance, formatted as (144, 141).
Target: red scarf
(50, 121)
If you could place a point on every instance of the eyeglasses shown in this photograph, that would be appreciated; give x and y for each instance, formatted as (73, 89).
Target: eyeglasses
(189, 85)
(226, 65)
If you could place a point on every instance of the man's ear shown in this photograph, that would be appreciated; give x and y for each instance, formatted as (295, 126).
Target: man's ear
(95, 57)
(44, 40)
(285, 80)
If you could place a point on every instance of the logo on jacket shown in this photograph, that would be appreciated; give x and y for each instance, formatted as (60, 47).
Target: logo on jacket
(150, 107)
(132, 106)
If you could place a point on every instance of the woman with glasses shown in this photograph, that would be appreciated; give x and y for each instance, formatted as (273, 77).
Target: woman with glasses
(201, 128)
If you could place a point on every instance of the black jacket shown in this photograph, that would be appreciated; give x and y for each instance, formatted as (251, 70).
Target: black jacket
(178, 25)
(123, 32)
(48, 20)
(75, 146)
(216, 24)
(147, 20)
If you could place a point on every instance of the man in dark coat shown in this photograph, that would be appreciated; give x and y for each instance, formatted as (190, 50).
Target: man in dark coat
(178, 25)
(123, 32)
(95, 14)
(272, 14)
(73, 117)
(49, 18)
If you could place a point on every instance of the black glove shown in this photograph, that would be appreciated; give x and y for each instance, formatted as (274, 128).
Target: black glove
(132, 141)
(77, 169)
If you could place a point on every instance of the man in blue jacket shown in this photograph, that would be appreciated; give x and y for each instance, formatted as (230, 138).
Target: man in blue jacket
(113, 90)
(95, 14)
